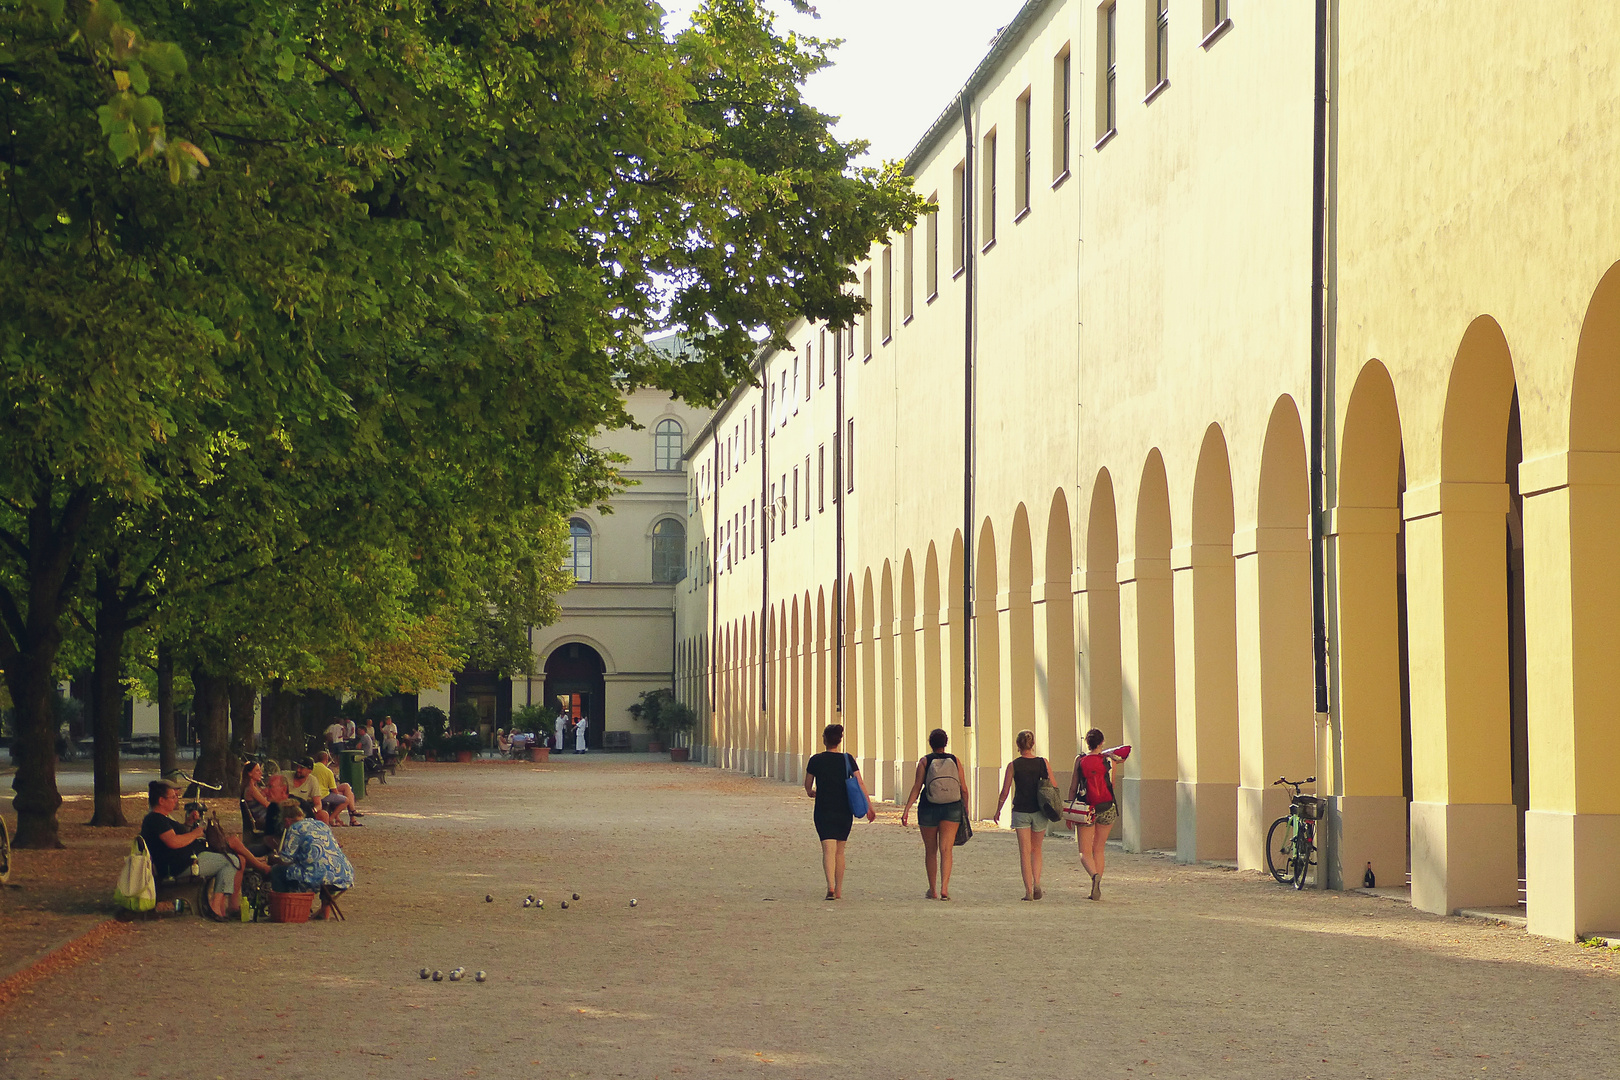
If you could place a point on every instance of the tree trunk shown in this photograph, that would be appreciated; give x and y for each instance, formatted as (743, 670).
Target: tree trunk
(107, 698)
(210, 712)
(242, 698)
(28, 653)
(168, 745)
(282, 728)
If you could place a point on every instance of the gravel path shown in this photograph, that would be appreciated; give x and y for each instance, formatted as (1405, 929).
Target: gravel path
(732, 965)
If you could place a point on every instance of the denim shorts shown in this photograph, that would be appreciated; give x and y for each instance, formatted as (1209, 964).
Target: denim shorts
(1035, 820)
(930, 815)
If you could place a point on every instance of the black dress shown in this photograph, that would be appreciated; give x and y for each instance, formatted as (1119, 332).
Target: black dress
(833, 815)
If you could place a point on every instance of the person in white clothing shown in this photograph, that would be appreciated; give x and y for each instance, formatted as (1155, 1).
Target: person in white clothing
(560, 723)
(579, 735)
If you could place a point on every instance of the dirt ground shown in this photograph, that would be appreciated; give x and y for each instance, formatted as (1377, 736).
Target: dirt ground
(732, 965)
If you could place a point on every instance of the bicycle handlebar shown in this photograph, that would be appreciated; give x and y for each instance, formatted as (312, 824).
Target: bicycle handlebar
(1283, 780)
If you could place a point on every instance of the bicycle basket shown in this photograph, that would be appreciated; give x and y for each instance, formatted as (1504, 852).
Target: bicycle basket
(1310, 807)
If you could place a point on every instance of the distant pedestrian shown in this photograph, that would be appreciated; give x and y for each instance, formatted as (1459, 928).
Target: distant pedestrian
(1023, 778)
(1093, 783)
(579, 734)
(826, 778)
(561, 724)
(943, 797)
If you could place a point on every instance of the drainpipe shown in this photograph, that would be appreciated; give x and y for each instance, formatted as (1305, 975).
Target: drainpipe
(714, 578)
(765, 620)
(1319, 408)
(967, 414)
(839, 364)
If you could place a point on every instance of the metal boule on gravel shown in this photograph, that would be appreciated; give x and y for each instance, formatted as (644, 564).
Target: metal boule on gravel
(565, 905)
(425, 973)
(576, 896)
(488, 899)
(438, 976)
(632, 901)
(480, 977)
(528, 903)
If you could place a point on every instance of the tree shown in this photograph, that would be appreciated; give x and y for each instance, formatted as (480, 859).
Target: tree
(398, 287)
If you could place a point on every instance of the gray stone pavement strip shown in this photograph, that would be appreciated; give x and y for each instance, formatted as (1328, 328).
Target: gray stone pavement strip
(732, 965)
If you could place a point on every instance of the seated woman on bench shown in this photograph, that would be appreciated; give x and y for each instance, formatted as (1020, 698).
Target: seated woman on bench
(310, 858)
(172, 847)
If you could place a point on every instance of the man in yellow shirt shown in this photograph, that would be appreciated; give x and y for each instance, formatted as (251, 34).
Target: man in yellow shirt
(334, 797)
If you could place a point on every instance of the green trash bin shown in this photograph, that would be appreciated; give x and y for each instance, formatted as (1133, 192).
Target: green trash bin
(352, 771)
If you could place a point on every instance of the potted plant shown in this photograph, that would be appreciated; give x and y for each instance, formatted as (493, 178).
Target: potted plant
(464, 745)
(678, 721)
(650, 710)
(432, 721)
(536, 720)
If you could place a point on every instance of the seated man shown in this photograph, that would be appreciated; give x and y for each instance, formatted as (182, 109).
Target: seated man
(171, 849)
(335, 797)
(310, 857)
(302, 789)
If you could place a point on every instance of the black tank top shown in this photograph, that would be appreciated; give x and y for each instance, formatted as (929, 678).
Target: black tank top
(1027, 773)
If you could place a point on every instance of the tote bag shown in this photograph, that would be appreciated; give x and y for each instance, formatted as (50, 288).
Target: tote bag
(136, 889)
(857, 797)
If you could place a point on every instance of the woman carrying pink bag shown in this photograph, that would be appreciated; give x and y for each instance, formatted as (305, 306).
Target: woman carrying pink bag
(1094, 785)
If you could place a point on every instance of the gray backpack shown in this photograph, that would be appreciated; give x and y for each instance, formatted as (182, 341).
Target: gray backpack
(942, 783)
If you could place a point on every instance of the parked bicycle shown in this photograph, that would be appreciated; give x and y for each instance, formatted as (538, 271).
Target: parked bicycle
(1291, 840)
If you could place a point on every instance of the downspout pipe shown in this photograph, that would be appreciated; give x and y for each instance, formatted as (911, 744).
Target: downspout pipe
(765, 621)
(968, 405)
(714, 582)
(1319, 360)
(840, 362)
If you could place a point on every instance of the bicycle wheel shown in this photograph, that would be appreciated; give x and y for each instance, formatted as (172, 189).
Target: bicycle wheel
(1300, 864)
(1279, 850)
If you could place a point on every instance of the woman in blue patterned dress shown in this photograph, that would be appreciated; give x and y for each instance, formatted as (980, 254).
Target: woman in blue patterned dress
(310, 857)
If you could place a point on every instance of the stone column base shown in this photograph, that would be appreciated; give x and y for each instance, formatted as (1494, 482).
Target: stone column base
(869, 774)
(1572, 873)
(1364, 829)
(1206, 822)
(1147, 814)
(884, 790)
(986, 786)
(1257, 809)
(1464, 855)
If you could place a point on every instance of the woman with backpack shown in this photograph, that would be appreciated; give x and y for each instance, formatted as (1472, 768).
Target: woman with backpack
(1094, 785)
(826, 779)
(1023, 779)
(940, 813)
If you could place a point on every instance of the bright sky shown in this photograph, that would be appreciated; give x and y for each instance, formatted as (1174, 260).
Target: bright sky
(901, 63)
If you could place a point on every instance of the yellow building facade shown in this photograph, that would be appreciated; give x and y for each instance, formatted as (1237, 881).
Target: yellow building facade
(1061, 476)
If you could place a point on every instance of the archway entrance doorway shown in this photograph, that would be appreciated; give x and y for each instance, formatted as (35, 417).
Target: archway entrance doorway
(575, 684)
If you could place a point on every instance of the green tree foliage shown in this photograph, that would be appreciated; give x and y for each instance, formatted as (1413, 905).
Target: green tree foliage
(310, 310)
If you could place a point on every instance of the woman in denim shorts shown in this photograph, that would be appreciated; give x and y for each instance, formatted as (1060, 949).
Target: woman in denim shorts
(1022, 779)
(938, 821)
(1092, 769)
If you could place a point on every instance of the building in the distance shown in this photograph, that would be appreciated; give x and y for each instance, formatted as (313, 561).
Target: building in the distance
(616, 637)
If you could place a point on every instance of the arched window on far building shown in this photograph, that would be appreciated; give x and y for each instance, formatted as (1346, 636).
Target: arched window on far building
(667, 446)
(578, 562)
(669, 550)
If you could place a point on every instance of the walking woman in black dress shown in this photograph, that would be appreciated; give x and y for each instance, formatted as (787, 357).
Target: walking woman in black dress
(824, 777)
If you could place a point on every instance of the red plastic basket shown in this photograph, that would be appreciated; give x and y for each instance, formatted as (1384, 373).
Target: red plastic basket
(291, 907)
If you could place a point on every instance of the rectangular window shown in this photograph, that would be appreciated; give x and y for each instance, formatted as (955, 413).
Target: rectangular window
(753, 531)
(806, 488)
(838, 443)
(1107, 59)
(959, 208)
(821, 366)
(888, 292)
(987, 182)
(849, 456)
(866, 319)
(1021, 159)
(1061, 87)
(821, 478)
(931, 238)
(838, 350)
(775, 411)
(1217, 18)
(795, 496)
(907, 277)
(770, 518)
(1158, 44)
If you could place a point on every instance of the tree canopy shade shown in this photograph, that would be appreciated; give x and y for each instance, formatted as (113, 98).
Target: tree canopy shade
(334, 295)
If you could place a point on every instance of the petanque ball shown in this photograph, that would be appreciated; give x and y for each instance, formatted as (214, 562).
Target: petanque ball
(438, 976)
(565, 905)
(528, 903)
(425, 973)
(488, 899)
(632, 903)
(539, 903)
(576, 896)
(480, 977)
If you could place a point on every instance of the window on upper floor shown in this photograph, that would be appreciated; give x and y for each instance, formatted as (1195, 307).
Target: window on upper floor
(1022, 153)
(806, 487)
(1158, 46)
(821, 478)
(579, 550)
(795, 517)
(959, 237)
(907, 277)
(1217, 20)
(987, 191)
(668, 547)
(667, 448)
(888, 292)
(866, 319)
(1062, 92)
(1107, 61)
(849, 456)
(931, 242)
(821, 366)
